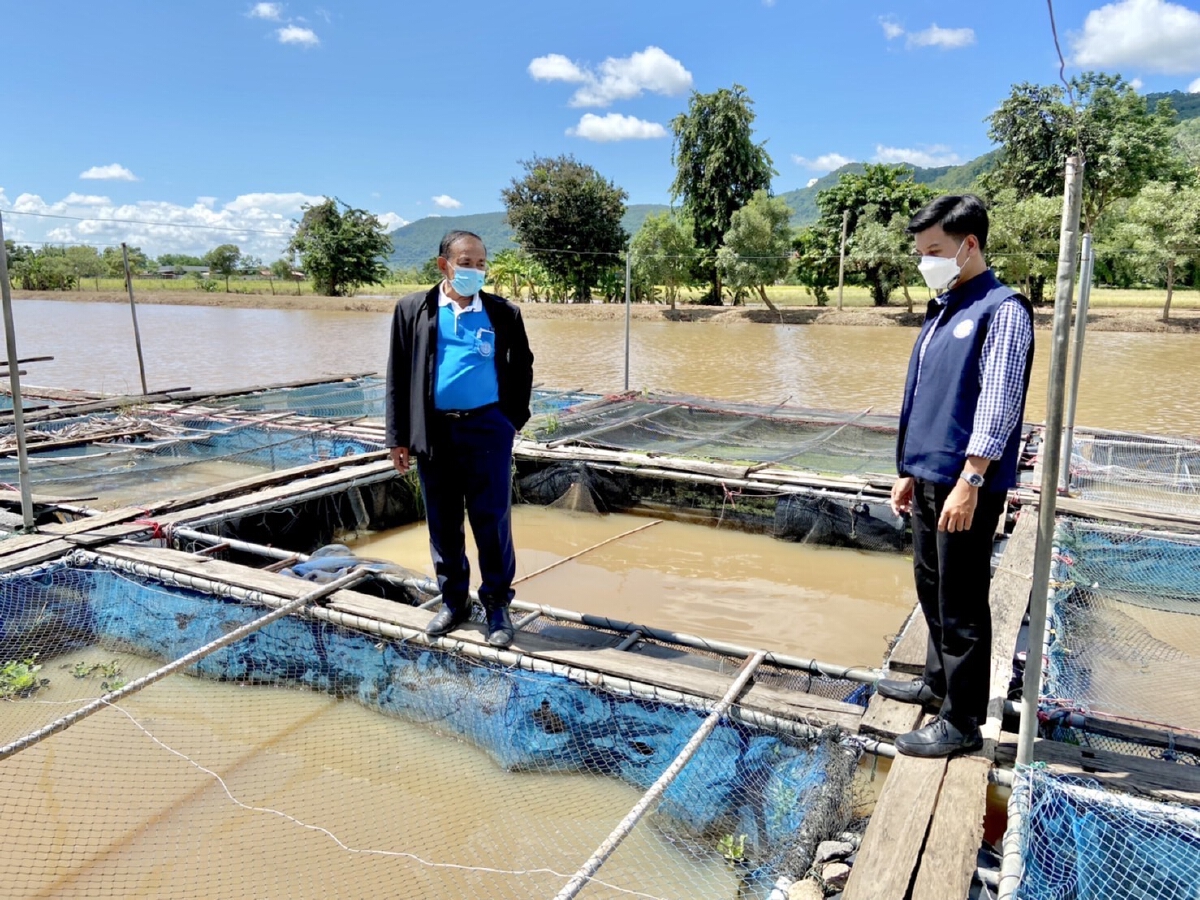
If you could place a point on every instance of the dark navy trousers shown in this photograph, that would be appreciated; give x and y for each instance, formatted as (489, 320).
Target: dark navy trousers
(469, 470)
(954, 577)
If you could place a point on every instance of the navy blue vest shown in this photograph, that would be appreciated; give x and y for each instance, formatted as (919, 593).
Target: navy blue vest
(936, 421)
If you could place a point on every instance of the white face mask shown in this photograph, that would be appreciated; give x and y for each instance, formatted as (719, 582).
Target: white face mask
(940, 272)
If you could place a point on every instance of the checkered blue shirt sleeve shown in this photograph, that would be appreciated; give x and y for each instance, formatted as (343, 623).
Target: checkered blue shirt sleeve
(1002, 380)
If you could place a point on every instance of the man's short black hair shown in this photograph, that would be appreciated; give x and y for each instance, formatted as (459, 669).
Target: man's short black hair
(450, 238)
(958, 214)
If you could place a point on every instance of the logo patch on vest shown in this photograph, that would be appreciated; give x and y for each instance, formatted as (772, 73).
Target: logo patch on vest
(964, 328)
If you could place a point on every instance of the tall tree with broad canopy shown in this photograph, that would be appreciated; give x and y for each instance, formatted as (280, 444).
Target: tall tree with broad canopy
(758, 245)
(1163, 223)
(664, 250)
(1023, 240)
(567, 217)
(1125, 144)
(223, 261)
(341, 250)
(884, 197)
(718, 169)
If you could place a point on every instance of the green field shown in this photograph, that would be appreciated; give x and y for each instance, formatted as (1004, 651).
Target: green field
(781, 295)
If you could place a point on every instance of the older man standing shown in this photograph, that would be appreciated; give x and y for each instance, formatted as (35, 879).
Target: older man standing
(459, 379)
(957, 453)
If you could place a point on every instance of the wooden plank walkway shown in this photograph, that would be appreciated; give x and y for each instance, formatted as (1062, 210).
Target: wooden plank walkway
(924, 836)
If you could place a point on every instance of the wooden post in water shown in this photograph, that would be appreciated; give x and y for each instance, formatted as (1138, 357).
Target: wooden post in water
(842, 259)
(1064, 287)
(628, 307)
(137, 335)
(14, 377)
(1086, 268)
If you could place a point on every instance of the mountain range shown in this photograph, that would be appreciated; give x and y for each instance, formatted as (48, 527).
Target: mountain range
(417, 241)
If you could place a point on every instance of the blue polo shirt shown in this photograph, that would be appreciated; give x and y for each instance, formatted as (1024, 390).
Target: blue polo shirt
(466, 356)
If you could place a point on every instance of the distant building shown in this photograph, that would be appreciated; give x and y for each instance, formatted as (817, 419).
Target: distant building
(180, 271)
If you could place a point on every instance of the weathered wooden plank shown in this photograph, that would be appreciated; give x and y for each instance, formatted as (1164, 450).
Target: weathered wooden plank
(908, 655)
(889, 718)
(1139, 775)
(1009, 600)
(956, 832)
(1068, 506)
(42, 551)
(896, 833)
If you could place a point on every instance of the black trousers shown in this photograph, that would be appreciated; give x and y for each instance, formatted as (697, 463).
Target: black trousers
(953, 574)
(469, 474)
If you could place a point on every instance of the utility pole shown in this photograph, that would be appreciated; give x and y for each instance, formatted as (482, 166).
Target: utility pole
(842, 259)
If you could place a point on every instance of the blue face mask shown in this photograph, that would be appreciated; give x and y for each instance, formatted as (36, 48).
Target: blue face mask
(467, 282)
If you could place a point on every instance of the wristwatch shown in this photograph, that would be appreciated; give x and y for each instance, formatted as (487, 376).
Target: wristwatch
(975, 481)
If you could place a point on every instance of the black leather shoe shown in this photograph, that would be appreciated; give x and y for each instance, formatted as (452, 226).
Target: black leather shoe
(447, 620)
(500, 627)
(939, 738)
(915, 691)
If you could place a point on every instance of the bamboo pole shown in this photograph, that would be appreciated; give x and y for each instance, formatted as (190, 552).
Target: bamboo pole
(622, 831)
(137, 334)
(1051, 455)
(842, 257)
(1081, 311)
(628, 307)
(14, 380)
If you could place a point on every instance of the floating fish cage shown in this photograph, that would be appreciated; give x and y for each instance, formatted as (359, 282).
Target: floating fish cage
(1070, 837)
(1134, 471)
(1123, 639)
(329, 751)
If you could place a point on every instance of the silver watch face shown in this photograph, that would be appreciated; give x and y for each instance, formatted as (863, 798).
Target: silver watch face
(973, 480)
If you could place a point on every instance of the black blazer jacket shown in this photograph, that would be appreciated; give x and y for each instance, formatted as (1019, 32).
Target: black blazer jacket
(412, 362)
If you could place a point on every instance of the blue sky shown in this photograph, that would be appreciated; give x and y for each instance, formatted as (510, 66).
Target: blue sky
(231, 114)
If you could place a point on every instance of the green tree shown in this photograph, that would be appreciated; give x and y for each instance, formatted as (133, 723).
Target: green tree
(758, 246)
(85, 262)
(664, 251)
(718, 169)
(1125, 144)
(429, 271)
(886, 197)
(341, 250)
(882, 250)
(568, 217)
(114, 266)
(223, 261)
(1023, 240)
(506, 269)
(1163, 222)
(179, 259)
(817, 256)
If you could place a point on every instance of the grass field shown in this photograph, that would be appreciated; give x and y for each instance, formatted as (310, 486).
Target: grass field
(781, 295)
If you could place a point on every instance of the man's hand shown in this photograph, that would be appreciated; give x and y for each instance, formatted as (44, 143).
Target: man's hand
(400, 459)
(902, 495)
(959, 509)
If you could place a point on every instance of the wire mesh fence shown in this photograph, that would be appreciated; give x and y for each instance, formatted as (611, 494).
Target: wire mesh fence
(1082, 842)
(312, 758)
(816, 440)
(1124, 639)
(1137, 471)
(137, 458)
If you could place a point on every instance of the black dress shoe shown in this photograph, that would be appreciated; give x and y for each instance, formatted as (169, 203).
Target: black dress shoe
(915, 691)
(500, 627)
(939, 738)
(447, 620)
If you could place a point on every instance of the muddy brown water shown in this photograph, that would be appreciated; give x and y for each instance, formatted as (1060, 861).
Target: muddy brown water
(1134, 382)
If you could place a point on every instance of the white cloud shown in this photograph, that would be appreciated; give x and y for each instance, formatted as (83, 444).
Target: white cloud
(891, 28)
(825, 163)
(1151, 34)
(259, 223)
(616, 127)
(812, 181)
(113, 172)
(206, 201)
(294, 34)
(652, 69)
(1194, 87)
(445, 201)
(270, 11)
(1137, 84)
(946, 38)
(391, 221)
(925, 157)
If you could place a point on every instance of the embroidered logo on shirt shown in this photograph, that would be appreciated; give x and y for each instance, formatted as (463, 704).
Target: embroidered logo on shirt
(485, 343)
(964, 328)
